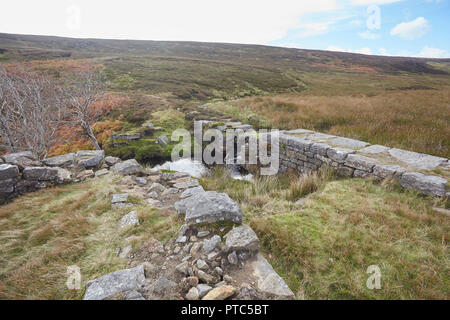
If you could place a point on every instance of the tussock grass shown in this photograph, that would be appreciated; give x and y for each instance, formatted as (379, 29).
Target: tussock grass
(323, 247)
(43, 233)
(415, 120)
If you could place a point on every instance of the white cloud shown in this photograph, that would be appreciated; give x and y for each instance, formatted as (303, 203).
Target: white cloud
(366, 2)
(250, 21)
(412, 29)
(314, 29)
(369, 35)
(428, 52)
(383, 52)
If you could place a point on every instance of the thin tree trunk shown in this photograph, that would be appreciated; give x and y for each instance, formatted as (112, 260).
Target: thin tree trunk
(91, 136)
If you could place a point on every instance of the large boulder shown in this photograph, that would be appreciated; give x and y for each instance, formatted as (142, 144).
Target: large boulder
(127, 167)
(22, 159)
(8, 171)
(429, 185)
(89, 158)
(65, 160)
(112, 283)
(268, 281)
(40, 173)
(209, 207)
(242, 238)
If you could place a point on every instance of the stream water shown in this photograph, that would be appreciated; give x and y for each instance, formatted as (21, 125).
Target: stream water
(198, 169)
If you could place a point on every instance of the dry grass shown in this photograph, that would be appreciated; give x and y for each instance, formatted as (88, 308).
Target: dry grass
(43, 233)
(410, 119)
(323, 247)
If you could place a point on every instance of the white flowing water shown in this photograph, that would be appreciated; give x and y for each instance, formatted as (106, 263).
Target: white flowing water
(198, 169)
(191, 167)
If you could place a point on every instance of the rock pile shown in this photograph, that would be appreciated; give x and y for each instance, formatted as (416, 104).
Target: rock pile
(213, 257)
(21, 172)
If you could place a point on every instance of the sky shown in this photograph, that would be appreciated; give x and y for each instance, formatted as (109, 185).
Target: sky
(382, 27)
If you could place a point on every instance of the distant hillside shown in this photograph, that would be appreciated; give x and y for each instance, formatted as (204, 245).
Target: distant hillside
(30, 47)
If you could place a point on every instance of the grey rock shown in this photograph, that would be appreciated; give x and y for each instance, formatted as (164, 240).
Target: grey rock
(186, 184)
(119, 197)
(119, 281)
(130, 219)
(153, 195)
(127, 167)
(360, 162)
(162, 140)
(65, 160)
(203, 276)
(388, 171)
(156, 187)
(201, 264)
(110, 161)
(8, 171)
(417, 160)
(209, 207)
(268, 281)
(133, 295)
(183, 267)
(162, 284)
(141, 181)
(192, 294)
(203, 289)
(22, 159)
(232, 258)
(154, 203)
(374, 149)
(247, 292)
(426, 184)
(40, 173)
(242, 238)
(101, 172)
(339, 154)
(64, 175)
(169, 191)
(348, 143)
(83, 175)
(7, 186)
(191, 191)
(319, 148)
(202, 234)
(210, 244)
(89, 158)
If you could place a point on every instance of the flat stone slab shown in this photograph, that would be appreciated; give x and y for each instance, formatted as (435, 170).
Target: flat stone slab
(192, 191)
(339, 154)
(22, 159)
(65, 160)
(119, 197)
(349, 143)
(426, 184)
(209, 207)
(268, 281)
(417, 160)
(360, 162)
(186, 184)
(119, 281)
(40, 173)
(242, 238)
(374, 149)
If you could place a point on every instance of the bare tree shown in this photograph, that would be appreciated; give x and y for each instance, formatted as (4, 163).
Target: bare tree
(31, 112)
(83, 90)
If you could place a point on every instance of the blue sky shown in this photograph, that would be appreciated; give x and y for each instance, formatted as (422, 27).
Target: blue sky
(404, 27)
(407, 28)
